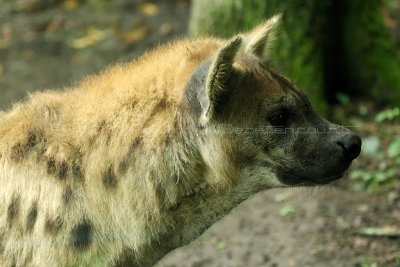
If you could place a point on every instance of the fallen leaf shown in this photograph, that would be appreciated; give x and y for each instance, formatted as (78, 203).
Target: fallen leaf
(362, 208)
(165, 28)
(70, 4)
(380, 231)
(287, 210)
(360, 243)
(137, 33)
(54, 25)
(6, 35)
(148, 9)
(222, 245)
(93, 36)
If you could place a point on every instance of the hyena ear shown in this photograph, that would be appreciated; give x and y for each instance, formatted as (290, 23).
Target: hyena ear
(260, 38)
(218, 76)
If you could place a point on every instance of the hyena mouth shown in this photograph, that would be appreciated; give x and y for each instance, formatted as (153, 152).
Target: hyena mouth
(298, 180)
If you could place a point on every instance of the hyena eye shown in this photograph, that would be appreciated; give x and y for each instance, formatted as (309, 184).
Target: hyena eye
(279, 119)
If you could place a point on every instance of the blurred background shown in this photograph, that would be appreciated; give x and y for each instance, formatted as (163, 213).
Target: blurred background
(344, 54)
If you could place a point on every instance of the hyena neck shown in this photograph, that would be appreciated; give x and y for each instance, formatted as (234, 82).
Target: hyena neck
(209, 180)
(205, 197)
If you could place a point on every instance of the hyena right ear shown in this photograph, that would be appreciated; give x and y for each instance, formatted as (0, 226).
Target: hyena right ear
(220, 71)
(260, 38)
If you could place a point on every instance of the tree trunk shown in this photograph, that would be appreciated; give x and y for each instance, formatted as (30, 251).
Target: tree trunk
(371, 60)
(325, 46)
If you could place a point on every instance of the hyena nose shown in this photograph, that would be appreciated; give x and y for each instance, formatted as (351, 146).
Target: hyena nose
(351, 144)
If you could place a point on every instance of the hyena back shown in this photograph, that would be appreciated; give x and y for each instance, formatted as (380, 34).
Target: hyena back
(142, 158)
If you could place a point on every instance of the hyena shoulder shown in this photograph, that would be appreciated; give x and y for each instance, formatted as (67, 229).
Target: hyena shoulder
(64, 156)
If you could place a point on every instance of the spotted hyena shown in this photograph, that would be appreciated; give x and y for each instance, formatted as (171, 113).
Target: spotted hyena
(142, 158)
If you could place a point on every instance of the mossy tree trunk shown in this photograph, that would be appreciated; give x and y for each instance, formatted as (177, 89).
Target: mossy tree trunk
(371, 59)
(325, 46)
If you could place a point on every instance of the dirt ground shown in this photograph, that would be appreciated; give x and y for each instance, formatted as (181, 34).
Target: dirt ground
(53, 43)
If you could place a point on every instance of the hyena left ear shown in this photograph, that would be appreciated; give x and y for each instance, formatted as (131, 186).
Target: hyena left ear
(218, 76)
(260, 38)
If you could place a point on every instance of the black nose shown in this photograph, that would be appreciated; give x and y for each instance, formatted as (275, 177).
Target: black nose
(351, 145)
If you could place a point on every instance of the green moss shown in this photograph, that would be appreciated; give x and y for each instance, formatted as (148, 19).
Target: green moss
(372, 60)
(226, 17)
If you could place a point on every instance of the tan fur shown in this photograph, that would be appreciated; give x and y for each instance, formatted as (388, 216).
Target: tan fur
(124, 119)
(114, 170)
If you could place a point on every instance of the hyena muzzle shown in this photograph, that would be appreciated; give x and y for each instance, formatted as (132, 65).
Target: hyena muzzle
(142, 158)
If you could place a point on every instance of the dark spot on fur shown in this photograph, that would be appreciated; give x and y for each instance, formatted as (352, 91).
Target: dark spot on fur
(77, 171)
(59, 169)
(63, 170)
(51, 166)
(32, 139)
(67, 195)
(130, 103)
(130, 157)
(81, 235)
(136, 144)
(2, 245)
(14, 263)
(53, 226)
(32, 215)
(110, 179)
(101, 126)
(13, 210)
(162, 104)
(103, 130)
(123, 167)
(18, 152)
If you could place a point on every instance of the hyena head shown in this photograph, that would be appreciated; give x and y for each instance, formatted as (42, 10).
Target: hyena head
(256, 126)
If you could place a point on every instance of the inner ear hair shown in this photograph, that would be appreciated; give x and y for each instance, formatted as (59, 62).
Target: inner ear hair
(220, 72)
(260, 38)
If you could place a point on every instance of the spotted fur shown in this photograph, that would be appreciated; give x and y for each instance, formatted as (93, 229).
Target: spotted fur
(32, 215)
(13, 210)
(142, 158)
